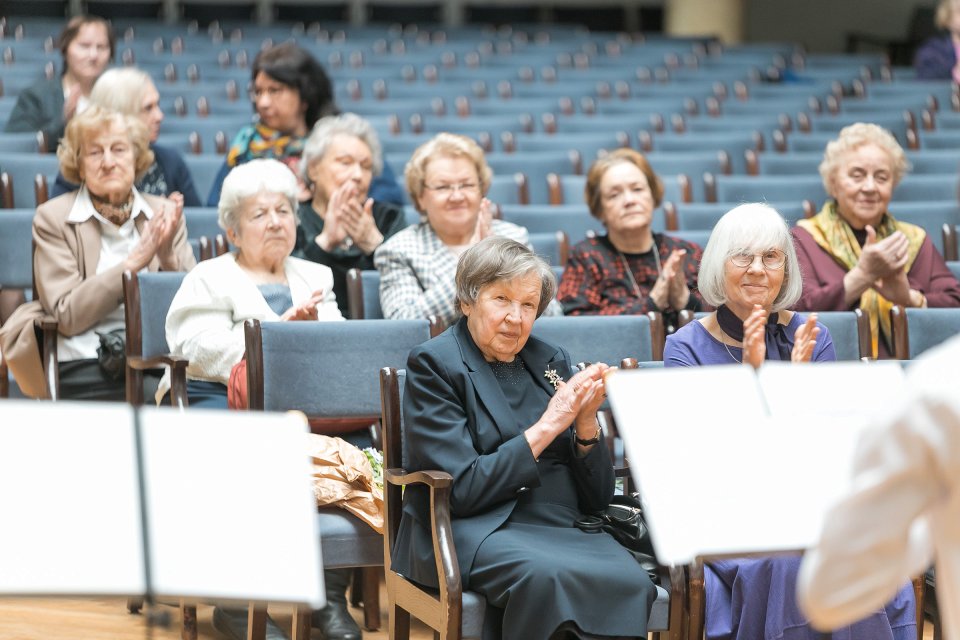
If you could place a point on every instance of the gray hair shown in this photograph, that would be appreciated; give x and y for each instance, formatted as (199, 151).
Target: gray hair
(495, 259)
(851, 138)
(250, 178)
(750, 228)
(328, 128)
(121, 89)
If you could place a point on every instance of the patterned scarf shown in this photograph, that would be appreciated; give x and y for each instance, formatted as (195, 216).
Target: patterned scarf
(260, 141)
(835, 236)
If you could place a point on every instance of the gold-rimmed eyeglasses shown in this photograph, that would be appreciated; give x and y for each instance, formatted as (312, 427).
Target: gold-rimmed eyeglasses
(771, 259)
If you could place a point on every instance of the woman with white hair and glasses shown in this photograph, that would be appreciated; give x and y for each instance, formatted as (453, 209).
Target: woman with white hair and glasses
(132, 92)
(750, 273)
(258, 279)
(342, 226)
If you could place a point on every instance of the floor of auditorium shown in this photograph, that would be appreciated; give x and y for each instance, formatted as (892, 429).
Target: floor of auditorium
(107, 618)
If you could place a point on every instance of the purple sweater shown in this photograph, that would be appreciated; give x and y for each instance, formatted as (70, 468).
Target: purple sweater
(692, 346)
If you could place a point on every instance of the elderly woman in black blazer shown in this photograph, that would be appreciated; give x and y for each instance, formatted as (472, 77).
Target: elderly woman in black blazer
(487, 403)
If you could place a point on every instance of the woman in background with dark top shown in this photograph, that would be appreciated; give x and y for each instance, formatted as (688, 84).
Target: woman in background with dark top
(87, 46)
(341, 227)
(291, 91)
(631, 270)
(936, 59)
(131, 91)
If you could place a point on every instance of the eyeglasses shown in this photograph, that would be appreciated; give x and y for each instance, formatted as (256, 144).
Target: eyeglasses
(273, 92)
(447, 190)
(772, 259)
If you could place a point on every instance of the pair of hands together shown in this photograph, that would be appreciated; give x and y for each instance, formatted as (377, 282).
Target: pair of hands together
(882, 266)
(755, 346)
(576, 400)
(670, 291)
(346, 217)
(156, 237)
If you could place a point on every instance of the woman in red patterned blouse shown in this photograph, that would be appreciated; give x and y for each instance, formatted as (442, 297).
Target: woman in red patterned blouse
(631, 269)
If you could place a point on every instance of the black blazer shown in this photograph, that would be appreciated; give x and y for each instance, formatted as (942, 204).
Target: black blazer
(457, 420)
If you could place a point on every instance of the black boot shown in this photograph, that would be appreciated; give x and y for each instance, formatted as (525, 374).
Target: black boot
(233, 624)
(334, 620)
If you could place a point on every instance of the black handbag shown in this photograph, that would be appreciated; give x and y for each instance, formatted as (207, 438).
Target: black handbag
(112, 353)
(623, 519)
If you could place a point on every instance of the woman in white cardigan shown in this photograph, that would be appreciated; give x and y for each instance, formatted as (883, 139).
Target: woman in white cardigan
(259, 279)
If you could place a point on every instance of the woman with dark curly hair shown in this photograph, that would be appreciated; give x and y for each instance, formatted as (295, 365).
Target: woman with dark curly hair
(290, 92)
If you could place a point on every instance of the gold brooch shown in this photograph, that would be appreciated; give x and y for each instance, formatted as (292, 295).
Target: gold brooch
(553, 377)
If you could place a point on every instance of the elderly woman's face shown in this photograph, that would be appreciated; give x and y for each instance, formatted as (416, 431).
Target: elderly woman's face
(88, 53)
(279, 105)
(758, 283)
(266, 228)
(348, 159)
(862, 184)
(108, 162)
(625, 199)
(502, 317)
(451, 195)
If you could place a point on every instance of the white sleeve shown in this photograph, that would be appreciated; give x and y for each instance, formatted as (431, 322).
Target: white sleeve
(879, 537)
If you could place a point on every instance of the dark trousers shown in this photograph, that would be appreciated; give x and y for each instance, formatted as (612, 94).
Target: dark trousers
(203, 395)
(85, 380)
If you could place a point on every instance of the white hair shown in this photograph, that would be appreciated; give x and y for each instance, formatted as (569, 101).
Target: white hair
(749, 228)
(121, 89)
(250, 178)
(328, 128)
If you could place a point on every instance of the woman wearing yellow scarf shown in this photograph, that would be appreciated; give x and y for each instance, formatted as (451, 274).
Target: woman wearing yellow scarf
(854, 253)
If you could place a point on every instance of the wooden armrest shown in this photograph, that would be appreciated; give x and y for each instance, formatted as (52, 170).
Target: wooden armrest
(433, 479)
(445, 555)
(170, 360)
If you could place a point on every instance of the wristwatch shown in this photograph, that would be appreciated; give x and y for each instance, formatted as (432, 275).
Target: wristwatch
(586, 442)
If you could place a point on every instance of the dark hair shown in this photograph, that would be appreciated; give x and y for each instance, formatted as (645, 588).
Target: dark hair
(69, 34)
(295, 67)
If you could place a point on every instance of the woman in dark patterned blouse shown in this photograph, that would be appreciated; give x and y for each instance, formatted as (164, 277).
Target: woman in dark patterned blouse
(631, 269)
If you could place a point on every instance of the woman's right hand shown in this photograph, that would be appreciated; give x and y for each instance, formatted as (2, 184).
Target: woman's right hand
(484, 222)
(754, 338)
(334, 232)
(306, 310)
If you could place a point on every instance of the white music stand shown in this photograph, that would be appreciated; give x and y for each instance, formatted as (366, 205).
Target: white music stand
(225, 510)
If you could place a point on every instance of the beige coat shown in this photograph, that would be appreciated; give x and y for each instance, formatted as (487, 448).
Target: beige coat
(68, 286)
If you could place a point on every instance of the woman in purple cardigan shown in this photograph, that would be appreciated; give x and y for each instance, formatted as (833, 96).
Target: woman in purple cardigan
(750, 273)
(854, 253)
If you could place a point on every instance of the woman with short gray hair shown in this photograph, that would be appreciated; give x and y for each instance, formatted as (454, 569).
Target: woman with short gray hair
(341, 226)
(749, 272)
(508, 417)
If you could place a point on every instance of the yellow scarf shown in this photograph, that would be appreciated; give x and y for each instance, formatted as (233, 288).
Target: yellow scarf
(835, 236)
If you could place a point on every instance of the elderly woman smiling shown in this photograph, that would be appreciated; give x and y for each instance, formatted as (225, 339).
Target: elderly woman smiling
(85, 240)
(854, 252)
(341, 227)
(527, 459)
(750, 273)
(447, 180)
(259, 279)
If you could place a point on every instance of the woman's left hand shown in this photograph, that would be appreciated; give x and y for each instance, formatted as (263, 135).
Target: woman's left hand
(677, 279)
(805, 339)
(165, 250)
(306, 310)
(754, 344)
